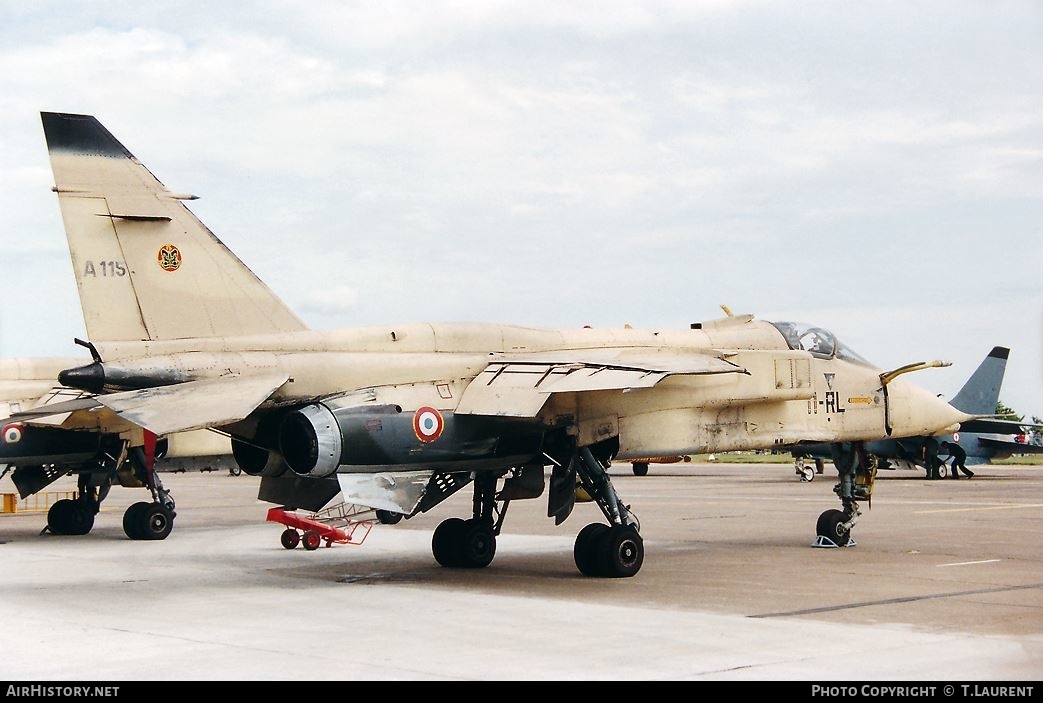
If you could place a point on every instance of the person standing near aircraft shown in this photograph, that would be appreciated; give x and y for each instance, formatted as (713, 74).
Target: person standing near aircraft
(958, 458)
(930, 458)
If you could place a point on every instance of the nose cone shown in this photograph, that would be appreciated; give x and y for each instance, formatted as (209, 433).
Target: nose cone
(914, 411)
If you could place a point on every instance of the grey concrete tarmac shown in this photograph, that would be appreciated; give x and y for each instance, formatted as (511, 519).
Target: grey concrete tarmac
(945, 584)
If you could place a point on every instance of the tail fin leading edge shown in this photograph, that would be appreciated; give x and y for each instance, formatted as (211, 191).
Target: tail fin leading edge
(981, 392)
(146, 268)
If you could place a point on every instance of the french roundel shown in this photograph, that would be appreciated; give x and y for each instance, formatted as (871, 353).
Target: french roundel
(428, 424)
(12, 433)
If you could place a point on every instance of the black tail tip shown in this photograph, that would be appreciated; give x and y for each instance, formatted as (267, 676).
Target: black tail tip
(79, 134)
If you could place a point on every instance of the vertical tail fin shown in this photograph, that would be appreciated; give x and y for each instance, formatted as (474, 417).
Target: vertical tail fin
(981, 392)
(146, 267)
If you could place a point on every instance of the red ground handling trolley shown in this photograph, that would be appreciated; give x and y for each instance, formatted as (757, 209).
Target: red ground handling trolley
(344, 524)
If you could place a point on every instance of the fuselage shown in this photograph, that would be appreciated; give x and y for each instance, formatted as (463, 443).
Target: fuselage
(781, 396)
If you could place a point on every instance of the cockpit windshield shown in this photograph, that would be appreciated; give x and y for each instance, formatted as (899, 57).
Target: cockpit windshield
(817, 340)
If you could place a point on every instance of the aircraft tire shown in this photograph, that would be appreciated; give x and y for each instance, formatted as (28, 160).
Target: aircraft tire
(132, 523)
(477, 544)
(585, 551)
(156, 521)
(829, 527)
(311, 540)
(59, 517)
(386, 517)
(446, 541)
(621, 552)
(290, 538)
(807, 474)
(641, 468)
(80, 519)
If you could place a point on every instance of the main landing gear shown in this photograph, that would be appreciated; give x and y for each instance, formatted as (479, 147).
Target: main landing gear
(614, 550)
(144, 520)
(148, 520)
(471, 544)
(857, 474)
(75, 516)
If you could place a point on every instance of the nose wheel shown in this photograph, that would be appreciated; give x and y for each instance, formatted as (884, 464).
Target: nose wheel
(832, 526)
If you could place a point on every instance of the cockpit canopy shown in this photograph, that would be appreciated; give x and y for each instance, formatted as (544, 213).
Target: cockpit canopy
(817, 340)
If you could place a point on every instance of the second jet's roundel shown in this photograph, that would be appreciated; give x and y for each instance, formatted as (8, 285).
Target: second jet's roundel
(428, 424)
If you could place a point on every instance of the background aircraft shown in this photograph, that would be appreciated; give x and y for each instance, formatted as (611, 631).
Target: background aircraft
(401, 417)
(40, 454)
(984, 437)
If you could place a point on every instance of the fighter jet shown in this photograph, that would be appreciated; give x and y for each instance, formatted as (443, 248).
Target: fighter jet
(40, 454)
(983, 436)
(399, 417)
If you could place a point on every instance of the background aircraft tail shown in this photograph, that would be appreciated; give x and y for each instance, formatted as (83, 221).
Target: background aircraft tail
(146, 267)
(981, 392)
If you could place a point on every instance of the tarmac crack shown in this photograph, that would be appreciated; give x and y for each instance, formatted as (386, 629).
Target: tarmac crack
(893, 601)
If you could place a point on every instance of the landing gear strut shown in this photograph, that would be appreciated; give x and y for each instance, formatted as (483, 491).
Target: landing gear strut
(76, 516)
(471, 544)
(857, 473)
(145, 520)
(615, 550)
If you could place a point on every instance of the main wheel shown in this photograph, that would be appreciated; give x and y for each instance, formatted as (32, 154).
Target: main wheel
(290, 538)
(59, 517)
(807, 474)
(311, 540)
(132, 523)
(157, 520)
(830, 526)
(446, 540)
(386, 517)
(585, 552)
(622, 552)
(80, 518)
(477, 545)
(640, 468)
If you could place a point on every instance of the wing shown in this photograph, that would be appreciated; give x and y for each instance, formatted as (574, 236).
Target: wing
(166, 409)
(49, 405)
(991, 425)
(1009, 446)
(520, 386)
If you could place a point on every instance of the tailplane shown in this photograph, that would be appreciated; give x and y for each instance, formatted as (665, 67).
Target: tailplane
(146, 267)
(981, 392)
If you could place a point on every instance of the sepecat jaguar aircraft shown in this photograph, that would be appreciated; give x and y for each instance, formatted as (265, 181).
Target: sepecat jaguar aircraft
(399, 417)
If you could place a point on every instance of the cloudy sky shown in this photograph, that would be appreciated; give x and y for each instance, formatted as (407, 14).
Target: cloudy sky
(875, 168)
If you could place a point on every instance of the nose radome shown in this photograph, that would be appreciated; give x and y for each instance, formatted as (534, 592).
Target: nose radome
(915, 411)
